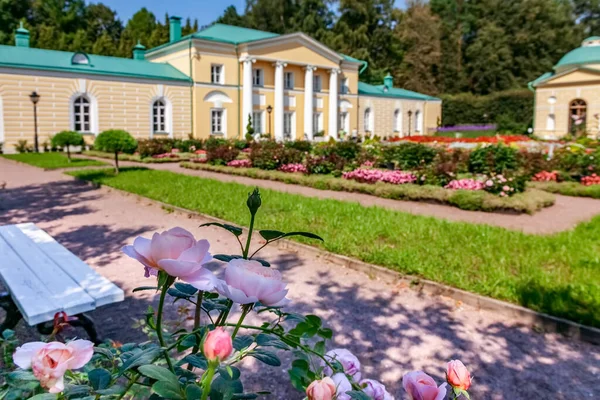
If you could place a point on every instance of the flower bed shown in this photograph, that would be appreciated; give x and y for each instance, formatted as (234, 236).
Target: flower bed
(527, 202)
(507, 139)
(367, 175)
(590, 180)
(245, 163)
(293, 168)
(465, 184)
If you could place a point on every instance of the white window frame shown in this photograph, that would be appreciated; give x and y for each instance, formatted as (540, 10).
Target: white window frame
(159, 117)
(217, 74)
(551, 122)
(344, 121)
(289, 118)
(398, 121)
(258, 77)
(317, 122)
(317, 84)
(93, 113)
(419, 122)
(368, 120)
(289, 80)
(258, 122)
(222, 123)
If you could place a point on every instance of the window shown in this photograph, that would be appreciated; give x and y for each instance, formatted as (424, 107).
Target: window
(288, 121)
(367, 120)
(289, 80)
(80, 59)
(344, 88)
(257, 121)
(577, 116)
(550, 123)
(344, 121)
(159, 124)
(317, 123)
(216, 121)
(216, 74)
(317, 83)
(418, 121)
(81, 114)
(397, 121)
(257, 78)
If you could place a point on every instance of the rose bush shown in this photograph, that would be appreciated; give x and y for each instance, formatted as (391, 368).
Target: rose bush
(203, 361)
(368, 175)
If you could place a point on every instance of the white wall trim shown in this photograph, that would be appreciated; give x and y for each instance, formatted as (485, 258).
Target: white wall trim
(217, 97)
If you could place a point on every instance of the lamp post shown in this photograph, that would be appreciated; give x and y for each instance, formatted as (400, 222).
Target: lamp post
(269, 110)
(35, 97)
(409, 123)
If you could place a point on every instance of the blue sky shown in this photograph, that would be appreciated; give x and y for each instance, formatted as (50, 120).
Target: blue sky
(206, 11)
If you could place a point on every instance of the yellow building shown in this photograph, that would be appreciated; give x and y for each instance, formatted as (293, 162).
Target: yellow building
(565, 99)
(210, 83)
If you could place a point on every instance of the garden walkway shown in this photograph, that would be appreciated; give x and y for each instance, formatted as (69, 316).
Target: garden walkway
(392, 328)
(566, 213)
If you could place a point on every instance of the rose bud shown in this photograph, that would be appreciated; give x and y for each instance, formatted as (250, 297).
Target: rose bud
(217, 345)
(457, 375)
(321, 390)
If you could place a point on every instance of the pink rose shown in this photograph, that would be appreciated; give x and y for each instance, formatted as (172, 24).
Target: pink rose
(489, 183)
(457, 375)
(321, 390)
(177, 253)
(217, 345)
(349, 362)
(247, 281)
(375, 390)
(50, 361)
(505, 188)
(342, 385)
(421, 386)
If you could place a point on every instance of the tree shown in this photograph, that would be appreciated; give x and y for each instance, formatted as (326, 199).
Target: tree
(115, 141)
(588, 14)
(66, 139)
(231, 17)
(419, 33)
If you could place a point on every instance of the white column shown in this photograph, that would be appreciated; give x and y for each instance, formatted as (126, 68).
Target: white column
(247, 92)
(333, 103)
(279, 102)
(308, 102)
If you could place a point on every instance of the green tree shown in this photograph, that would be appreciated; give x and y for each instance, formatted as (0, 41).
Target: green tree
(588, 14)
(115, 141)
(105, 45)
(66, 139)
(232, 17)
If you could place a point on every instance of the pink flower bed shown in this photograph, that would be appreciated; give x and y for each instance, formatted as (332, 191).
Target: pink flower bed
(545, 176)
(166, 155)
(465, 184)
(376, 175)
(590, 180)
(293, 168)
(240, 164)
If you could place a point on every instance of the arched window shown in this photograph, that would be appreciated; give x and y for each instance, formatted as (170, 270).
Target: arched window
(397, 121)
(82, 115)
(550, 122)
(577, 116)
(367, 120)
(159, 117)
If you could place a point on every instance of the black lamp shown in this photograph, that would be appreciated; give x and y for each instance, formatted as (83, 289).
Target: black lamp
(269, 110)
(35, 97)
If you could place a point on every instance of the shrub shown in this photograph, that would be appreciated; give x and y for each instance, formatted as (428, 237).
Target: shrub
(188, 145)
(240, 163)
(532, 162)
(365, 175)
(545, 176)
(503, 186)
(152, 147)
(346, 150)
(409, 155)
(22, 147)
(271, 155)
(493, 159)
(590, 180)
(115, 141)
(220, 151)
(291, 168)
(301, 145)
(66, 139)
(465, 184)
(325, 165)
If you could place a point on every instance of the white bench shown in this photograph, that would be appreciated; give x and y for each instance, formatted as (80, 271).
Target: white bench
(43, 279)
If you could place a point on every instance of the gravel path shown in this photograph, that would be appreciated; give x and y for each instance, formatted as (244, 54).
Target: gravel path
(392, 328)
(566, 213)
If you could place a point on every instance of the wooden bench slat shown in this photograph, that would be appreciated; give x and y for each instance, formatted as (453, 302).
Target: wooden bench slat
(98, 287)
(25, 288)
(71, 297)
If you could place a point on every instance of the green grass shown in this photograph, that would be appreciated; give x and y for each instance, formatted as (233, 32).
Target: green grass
(137, 158)
(51, 160)
(527, 202)
(468, 134)
(558, 274)
(575, 189)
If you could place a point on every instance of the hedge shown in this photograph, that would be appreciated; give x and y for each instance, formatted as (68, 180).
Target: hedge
(136, 158)
(574, 189)
(511, 110)
(528, 202)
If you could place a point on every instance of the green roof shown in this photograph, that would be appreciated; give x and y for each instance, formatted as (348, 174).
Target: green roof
(232, 34)
(371, 90)
(52, 60)
(579, 56)
(591, 38)
(540, 79)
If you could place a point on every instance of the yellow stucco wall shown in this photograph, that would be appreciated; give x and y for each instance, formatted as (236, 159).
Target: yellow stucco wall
(121, 104)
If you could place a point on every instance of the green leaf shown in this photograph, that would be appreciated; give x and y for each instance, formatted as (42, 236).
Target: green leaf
(105, 352)
(99, 378)
(233, 229)
(305, 234)
(266, 357)
(21, 376)
(242, 341)
(320, 347)
(193, 392)
(186, 288)
(8, 334)
(223, 389)
(314, 320)
(325, 333)
(159, 374)
(229, 373)
(167, 390)
(142, 358)
(263, 262)
(189, 341)
(223, 257)
(196, 360)
(263, 339)
(244, 396)
(141, 288)
(300, 364)
(358, 395)
(270, 235)
(44, 396)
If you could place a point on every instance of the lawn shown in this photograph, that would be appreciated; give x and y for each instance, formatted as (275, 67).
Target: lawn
(51, 160)
(558, 274)
(568, 188)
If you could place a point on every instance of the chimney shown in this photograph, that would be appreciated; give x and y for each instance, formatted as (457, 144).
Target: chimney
(388, 82)
(175, 29)
(22, 37)
(139, 51)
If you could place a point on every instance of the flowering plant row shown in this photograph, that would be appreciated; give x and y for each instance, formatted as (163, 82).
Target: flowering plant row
(465, 184)
(369, 175)
(294, 168)
(244, 163)
(545, 176)
(590, 180)
(204, 362)
(507, 139)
